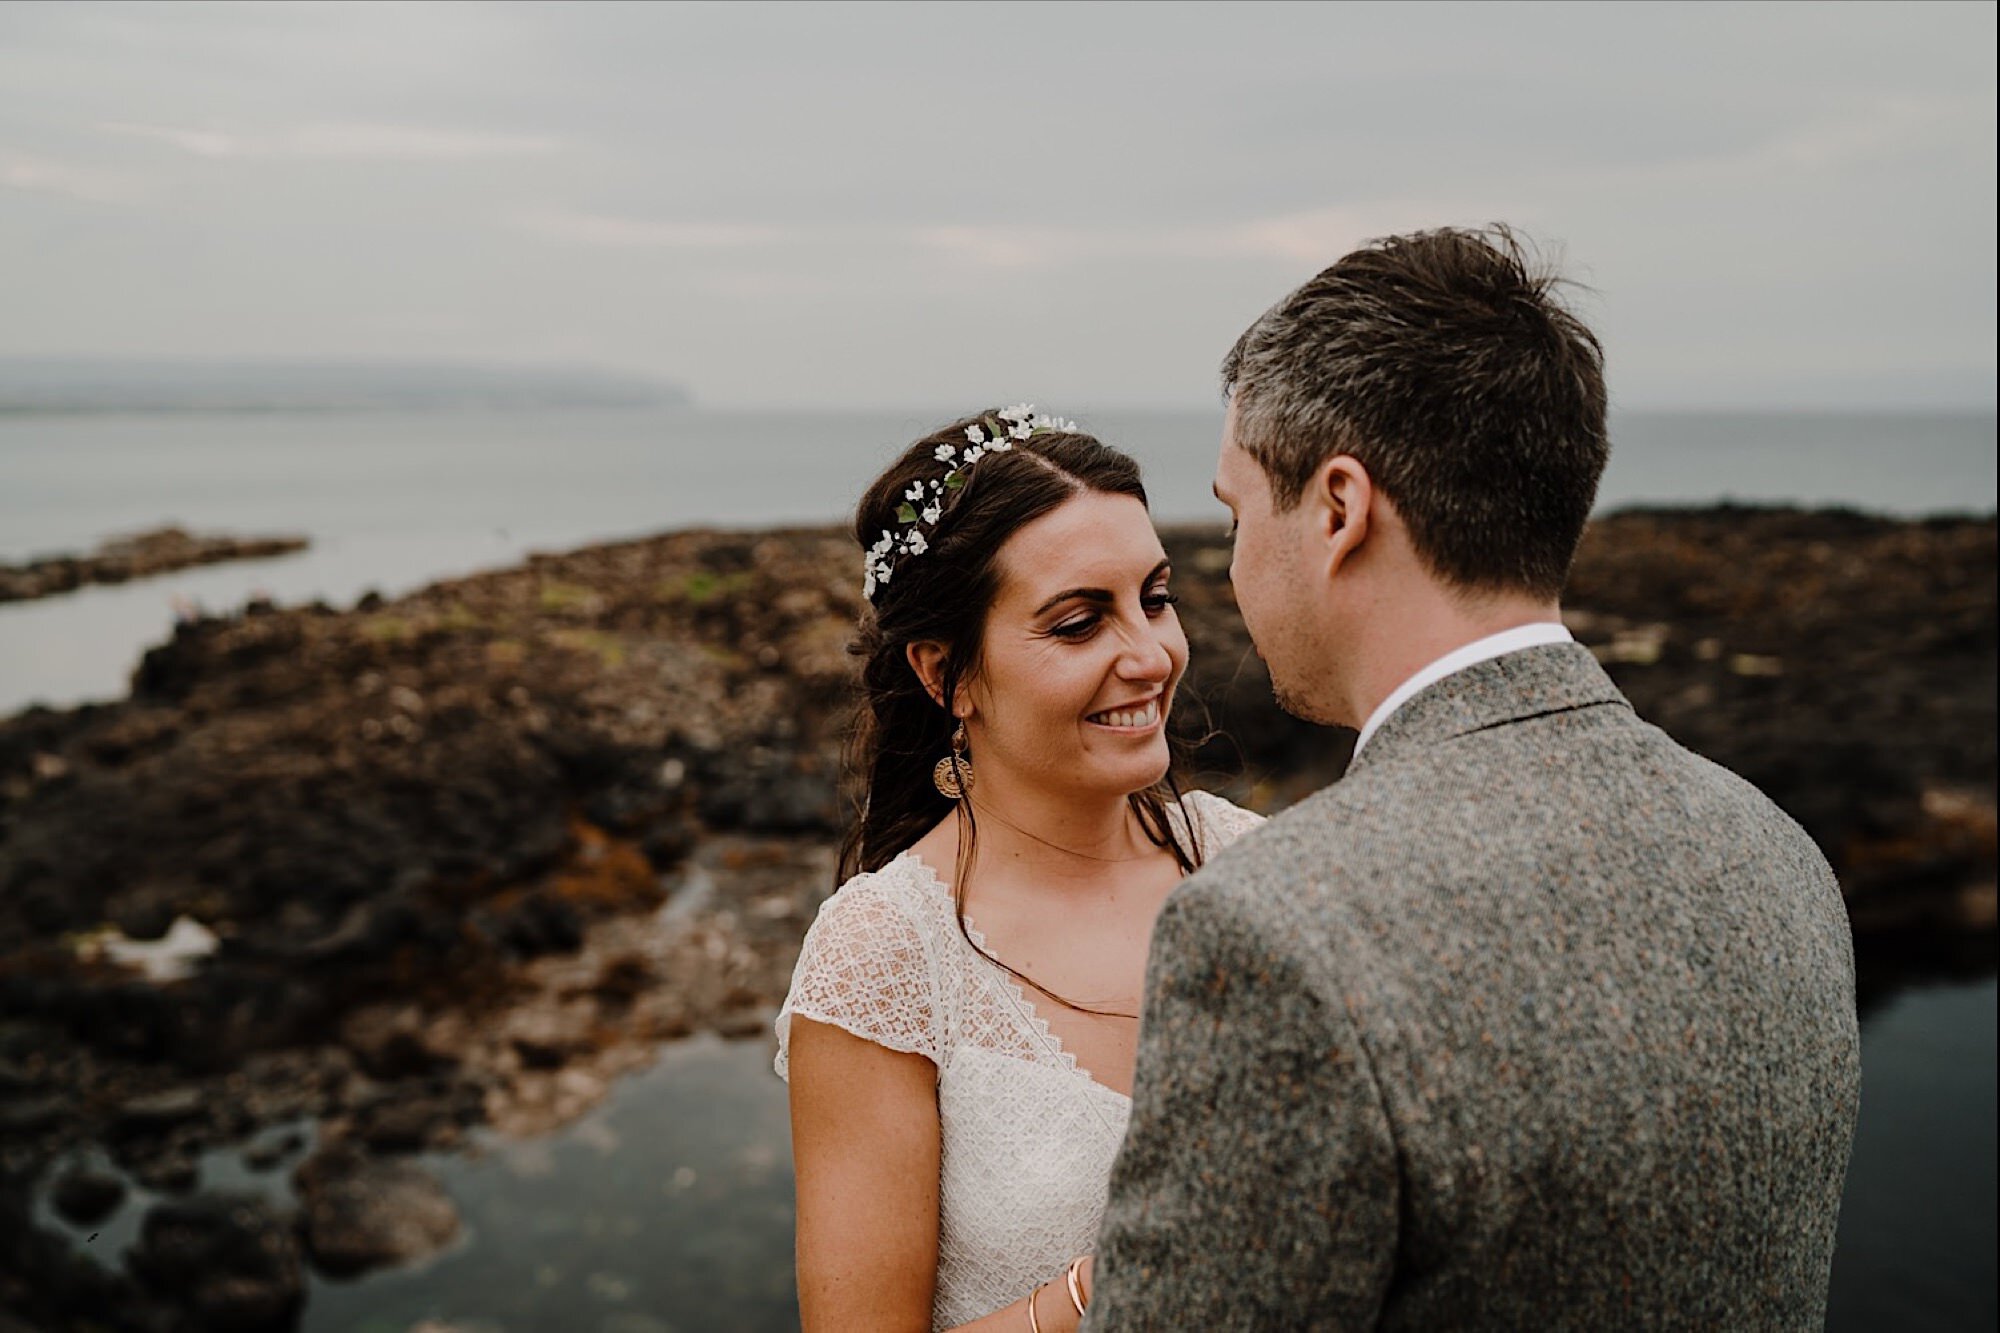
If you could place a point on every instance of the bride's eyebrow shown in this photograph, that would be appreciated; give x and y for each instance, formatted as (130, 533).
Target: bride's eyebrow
(1100, 595)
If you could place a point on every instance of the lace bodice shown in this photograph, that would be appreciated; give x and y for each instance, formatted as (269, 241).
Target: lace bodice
(1027, 1136)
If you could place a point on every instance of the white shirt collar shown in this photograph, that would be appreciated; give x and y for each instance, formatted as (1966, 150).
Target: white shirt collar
(1479, 650)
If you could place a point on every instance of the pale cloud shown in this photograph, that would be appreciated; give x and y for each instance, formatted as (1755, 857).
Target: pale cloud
(583, 228)
(1762, 201)
(1889, 128)
(1302, 237)
(41, 175)
(1013, 247)
(1884, 132)
(353, 142)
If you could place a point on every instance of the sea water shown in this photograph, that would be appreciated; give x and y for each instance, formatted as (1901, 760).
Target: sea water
(392, 500)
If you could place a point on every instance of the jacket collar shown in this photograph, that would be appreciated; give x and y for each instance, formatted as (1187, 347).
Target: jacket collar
(1533, 682)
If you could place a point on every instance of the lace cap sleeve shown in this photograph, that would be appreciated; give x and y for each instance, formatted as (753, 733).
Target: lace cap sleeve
(1221, 822)
(867, 967)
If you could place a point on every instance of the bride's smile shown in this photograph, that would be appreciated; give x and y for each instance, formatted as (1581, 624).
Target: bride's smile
(1082, 653)
(1135, 719)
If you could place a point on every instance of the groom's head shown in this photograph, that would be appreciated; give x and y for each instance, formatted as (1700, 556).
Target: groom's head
(1413, 436)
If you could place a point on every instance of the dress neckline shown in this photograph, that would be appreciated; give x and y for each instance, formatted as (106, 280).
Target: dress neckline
(1050, 1041)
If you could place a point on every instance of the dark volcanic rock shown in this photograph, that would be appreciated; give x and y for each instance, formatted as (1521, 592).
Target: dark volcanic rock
(87, 1197)
(158, 1110)
(24, 1115)
(271, 1152)
(391, 1041)
(231, 1262)
(417, 1113)
(378, 801)
(362, 1213)
(391, 817)
(169, 1170)
(45, 1282)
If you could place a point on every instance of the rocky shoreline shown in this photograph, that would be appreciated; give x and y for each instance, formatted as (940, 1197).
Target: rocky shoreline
(139, 556)
(460, 859)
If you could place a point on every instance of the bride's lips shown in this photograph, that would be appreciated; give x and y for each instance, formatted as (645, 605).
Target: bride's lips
(1133, 719)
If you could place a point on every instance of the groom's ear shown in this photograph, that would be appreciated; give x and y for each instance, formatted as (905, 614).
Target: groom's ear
(1341, 496)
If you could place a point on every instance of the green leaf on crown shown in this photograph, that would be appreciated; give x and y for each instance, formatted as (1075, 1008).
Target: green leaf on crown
(905, 514)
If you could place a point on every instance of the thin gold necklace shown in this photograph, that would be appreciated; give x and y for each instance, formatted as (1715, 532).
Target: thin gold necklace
(1069, 851)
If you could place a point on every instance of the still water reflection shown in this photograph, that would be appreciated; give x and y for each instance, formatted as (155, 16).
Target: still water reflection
(666, 1210)
(669, 1208)
(1917, 1224)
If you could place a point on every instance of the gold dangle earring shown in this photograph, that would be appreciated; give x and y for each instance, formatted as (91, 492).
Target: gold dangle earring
(953, 774)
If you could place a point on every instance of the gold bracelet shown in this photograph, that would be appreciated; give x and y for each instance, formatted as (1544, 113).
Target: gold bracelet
(1074, 1281)
(1034, 1321)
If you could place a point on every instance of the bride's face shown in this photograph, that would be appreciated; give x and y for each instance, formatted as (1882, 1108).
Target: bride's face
(1081, 652)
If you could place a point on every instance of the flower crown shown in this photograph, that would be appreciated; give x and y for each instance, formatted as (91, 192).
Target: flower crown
(924, 501)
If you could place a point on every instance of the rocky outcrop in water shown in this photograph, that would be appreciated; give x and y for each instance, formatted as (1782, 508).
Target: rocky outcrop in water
(140, 556)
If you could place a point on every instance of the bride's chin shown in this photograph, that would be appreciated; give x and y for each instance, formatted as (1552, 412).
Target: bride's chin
(1128, 780)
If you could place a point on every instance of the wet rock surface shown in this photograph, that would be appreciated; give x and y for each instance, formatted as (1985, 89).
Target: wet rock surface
(470, 855)
(360, 1212)
(84, 1197)
(227, 1262)
(139, 556)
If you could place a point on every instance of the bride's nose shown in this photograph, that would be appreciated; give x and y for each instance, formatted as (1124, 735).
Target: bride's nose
(1145, 658)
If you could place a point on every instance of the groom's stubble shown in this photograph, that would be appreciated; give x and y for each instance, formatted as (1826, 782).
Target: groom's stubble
(1274, 594)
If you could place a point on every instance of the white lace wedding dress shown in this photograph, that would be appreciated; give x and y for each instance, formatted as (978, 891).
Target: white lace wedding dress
(1027, 1136)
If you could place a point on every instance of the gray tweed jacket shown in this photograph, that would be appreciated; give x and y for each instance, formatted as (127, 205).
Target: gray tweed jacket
(1533, 1021)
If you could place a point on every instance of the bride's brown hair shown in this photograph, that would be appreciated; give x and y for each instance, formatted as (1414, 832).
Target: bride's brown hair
(942, 596)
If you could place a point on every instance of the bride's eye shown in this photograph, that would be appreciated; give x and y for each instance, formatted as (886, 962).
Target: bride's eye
(1075, 629)
(1158, 600)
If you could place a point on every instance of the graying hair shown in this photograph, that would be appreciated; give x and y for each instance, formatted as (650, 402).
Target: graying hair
(1443, 362)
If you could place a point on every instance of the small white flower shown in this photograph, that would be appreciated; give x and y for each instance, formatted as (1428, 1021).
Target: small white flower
(916, 491)
(883, 576)
(944, 453)
(999, 446)
(881, 547)
(976, 435)
(917, 544)
(1019, 412)
(932, 513)
(1022, 430)
(973, 455)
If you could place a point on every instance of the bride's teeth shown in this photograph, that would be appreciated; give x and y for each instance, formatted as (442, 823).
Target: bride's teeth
(1143, 717)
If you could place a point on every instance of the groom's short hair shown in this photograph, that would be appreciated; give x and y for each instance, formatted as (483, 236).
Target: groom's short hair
(1443, 362)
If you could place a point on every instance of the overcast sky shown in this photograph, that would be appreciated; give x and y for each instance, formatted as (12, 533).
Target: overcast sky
(858, 205)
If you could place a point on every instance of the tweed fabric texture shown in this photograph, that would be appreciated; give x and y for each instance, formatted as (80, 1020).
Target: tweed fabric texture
(1535, 1020)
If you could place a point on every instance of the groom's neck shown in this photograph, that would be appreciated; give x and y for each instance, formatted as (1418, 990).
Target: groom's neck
(1413, 631)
